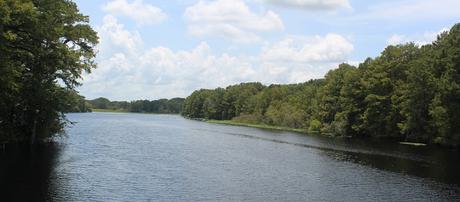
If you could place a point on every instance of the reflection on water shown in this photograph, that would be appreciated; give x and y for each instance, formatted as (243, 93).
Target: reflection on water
(26, 173)
(135, 157)
(429, 161)
(443, 170)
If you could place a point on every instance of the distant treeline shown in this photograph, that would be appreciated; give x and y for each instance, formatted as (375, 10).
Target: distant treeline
(171, 106)
(408, 93)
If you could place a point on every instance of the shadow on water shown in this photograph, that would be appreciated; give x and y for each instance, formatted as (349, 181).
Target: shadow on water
(444, 169)
(439, 164)
(26, 172)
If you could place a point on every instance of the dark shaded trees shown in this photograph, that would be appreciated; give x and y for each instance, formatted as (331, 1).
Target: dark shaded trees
(45, 46)
(75, 103)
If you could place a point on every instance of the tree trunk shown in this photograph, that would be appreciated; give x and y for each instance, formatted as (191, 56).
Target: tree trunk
(34, 131)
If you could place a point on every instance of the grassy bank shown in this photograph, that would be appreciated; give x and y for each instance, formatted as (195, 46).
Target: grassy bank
(263, 126)
(110, 110)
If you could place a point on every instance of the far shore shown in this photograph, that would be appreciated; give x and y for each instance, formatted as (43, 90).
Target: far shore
(125, 111)
(110, 110)
(303, 131)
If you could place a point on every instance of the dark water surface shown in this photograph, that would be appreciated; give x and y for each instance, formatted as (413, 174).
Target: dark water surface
(136, 157)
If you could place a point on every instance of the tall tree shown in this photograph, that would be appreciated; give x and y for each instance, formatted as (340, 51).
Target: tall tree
(445, 107)
(45, 47)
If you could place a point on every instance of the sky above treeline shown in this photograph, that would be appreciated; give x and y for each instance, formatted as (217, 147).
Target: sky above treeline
(151, 49)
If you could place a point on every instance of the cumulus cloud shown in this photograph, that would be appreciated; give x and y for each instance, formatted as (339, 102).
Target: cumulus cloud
(142, 13)
(114, 37)
(127, 70)
(418, 39)
(117, 46)
(161, 72)
(299, 58)
(312, 4)
(230, 19)
(329, 48)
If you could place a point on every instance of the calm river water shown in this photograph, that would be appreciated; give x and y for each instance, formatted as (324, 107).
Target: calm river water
(140, 157)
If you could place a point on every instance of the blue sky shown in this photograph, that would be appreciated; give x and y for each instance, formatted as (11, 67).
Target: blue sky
(163, 49)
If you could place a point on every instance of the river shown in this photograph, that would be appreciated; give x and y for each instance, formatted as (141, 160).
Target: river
(144, 157)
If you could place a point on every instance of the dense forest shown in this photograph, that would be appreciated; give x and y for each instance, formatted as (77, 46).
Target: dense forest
(45, 46)
(165, 106)
(408, 92)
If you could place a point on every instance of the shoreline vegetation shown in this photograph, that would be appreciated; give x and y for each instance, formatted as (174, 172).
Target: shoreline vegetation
(125, 111)
(287, 129)
(161, 106)
(110, 110)
(409, 93)
(260, 126)
(296, 130)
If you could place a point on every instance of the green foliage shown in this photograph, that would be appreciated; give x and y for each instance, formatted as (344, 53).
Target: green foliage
(75, 103)
(45, 46)
(331, 111)
(100, 103)
(165, 106)
(408, 93)
(315, 126)
(221, 103)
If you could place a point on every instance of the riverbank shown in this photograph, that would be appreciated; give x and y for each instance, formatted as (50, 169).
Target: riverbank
(304, 131)
(262, 126)
(110, 110)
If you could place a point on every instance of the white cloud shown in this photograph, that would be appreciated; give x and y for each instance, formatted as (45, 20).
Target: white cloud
(127, 70)
(312, 4)
(161, 72)
(114, 37)
(299, 58)
(230, 19)
(418, 39)
(140, 12)
(330, 48)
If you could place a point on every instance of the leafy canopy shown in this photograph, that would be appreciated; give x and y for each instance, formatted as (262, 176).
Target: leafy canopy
(45, 47)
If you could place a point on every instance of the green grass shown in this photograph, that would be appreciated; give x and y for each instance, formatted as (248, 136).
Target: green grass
(413, 143)
(262, 126)
(110, 110)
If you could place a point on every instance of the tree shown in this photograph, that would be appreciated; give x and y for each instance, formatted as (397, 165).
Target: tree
(45, 47)
(444, 109)
(329, 98)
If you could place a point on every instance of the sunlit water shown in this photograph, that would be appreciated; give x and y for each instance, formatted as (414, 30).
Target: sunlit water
(137, 157)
